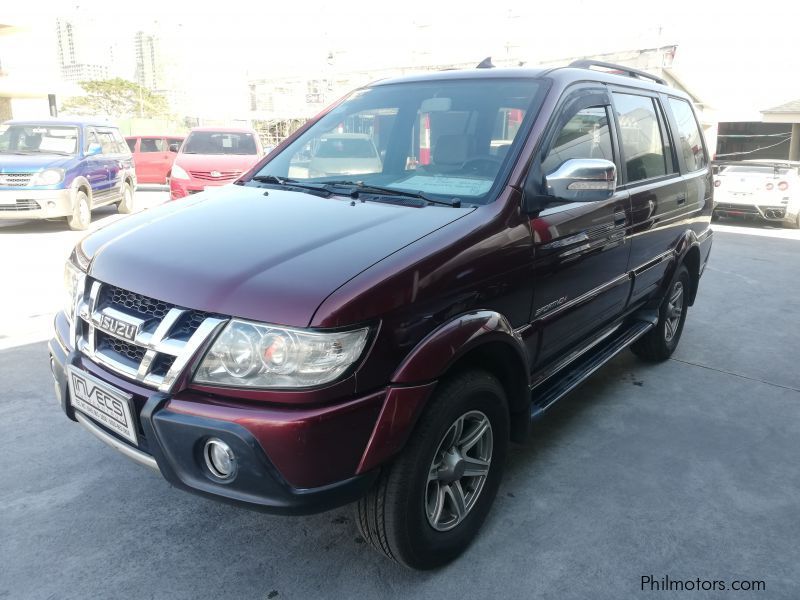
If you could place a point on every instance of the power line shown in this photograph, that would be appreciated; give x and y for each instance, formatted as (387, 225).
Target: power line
(751, 151)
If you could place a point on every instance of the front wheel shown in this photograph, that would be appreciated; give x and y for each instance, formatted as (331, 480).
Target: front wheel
(429, 504)
(81, 212)
(125, 206)
(660, 342)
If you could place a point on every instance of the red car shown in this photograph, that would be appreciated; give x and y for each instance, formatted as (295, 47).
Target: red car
(212, 157)
(153, 155)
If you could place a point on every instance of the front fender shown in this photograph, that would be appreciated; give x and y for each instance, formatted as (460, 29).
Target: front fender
(442, 348)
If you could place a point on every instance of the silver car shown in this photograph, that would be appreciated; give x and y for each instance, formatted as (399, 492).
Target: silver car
(345, 154)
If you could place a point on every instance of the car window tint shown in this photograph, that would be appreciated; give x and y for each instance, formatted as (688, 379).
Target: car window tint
(585, 135)
(131, 144)
(122, 147)
(107, 142)
(91, 138)
(690, 142)
(152, 145)
(506, 124)
(642, 145)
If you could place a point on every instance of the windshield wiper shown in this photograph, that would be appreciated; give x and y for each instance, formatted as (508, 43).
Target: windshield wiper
(376, 189)
(292, 184)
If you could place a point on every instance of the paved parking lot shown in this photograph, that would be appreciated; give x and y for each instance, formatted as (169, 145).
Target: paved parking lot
(689, 469)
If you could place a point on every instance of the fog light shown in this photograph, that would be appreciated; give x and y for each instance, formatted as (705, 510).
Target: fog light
(51, 205)
(220, 459)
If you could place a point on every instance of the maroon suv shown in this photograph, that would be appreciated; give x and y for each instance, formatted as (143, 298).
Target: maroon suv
(378, 334)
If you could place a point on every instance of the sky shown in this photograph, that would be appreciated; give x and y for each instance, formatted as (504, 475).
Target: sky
(737, 59)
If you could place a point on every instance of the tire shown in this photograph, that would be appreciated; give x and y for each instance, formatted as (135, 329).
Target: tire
(659, 343)
(398, 517)
(125, 206)
(796, 223)
(81, 213)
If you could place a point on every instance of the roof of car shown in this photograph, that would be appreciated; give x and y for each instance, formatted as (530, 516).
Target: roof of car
(155, 135)
(564, 73)
(224, 129)
(76, 122)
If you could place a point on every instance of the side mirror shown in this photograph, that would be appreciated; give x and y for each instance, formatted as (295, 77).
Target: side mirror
(583, 180)
(94, 149)
(174, 147)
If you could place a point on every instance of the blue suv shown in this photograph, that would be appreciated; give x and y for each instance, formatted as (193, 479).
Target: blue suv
(63, 168)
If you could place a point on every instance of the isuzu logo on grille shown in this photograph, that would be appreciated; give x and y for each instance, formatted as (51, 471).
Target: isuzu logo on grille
(117, 327)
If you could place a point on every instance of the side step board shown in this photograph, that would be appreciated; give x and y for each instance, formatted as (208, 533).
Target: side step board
(571, 376)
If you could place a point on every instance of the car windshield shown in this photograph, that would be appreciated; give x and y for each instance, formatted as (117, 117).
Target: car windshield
(36, 138)
(446, 139)
(219, 142)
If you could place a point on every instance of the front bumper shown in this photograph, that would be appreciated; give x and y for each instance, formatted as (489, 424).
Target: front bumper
(23, 203)
(290, 460)
(181, 188)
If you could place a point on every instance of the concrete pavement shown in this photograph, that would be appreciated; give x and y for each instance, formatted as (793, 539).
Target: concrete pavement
(687, 469)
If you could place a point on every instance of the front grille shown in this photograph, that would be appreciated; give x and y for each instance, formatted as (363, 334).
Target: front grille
(166, 335)
(20, 206)
(15, 179)
(130, 351)
(223, 175)
(123, 299)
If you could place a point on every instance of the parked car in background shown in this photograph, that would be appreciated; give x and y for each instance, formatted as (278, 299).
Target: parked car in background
(63, 168)
(765, 190)
(153, 156)
(212, 157)
(345, 154)
(293, 345)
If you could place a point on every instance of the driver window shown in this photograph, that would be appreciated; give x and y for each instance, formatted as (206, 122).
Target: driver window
(585, 135)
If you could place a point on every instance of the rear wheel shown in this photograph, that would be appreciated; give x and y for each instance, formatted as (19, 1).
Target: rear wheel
(125, 206)
(429, 504)
(796, 223)
(81, 212)
(660, 342)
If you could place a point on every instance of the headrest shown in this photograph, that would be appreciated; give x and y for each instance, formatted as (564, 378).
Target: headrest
(452, 149)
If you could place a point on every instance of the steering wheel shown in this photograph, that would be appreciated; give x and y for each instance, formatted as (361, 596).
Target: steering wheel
(481, 165)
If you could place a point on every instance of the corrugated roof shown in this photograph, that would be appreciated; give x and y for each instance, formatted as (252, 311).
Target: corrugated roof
(789, 107)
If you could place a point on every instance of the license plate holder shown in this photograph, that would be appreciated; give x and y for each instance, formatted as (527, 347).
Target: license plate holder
(102, 402)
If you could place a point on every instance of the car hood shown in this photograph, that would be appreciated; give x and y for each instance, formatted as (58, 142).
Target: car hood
(267, 255)
(30, 163)
(216, 162)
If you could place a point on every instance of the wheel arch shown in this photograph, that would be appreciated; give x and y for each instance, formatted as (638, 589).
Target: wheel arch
(478, 340)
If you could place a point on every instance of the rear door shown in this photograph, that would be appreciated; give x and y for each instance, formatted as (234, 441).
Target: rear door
(658, 195)
(580, 248)
(153, 160)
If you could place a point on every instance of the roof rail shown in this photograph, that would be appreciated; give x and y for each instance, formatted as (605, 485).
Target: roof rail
(627, 71)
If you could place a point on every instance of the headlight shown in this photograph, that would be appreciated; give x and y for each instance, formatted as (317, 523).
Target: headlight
(179, 173)
(48, 177)
(265, 356)
(73, 287)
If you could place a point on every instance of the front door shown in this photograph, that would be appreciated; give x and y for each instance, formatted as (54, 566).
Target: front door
(96, 169)
(580, 248)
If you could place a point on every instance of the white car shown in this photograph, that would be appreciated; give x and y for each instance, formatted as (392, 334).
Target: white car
(345, 154)
(766, 190)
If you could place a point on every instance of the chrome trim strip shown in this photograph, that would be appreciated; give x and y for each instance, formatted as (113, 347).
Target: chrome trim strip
(198, 343)
(93, 295)
(133, 453)
(584, 297)
(652, 262)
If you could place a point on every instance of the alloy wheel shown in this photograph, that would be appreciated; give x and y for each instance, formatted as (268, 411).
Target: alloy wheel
(674, 311)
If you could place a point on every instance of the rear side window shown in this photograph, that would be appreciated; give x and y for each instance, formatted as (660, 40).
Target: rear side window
(108, 143)
(585, 135)
(691, 142)
(642, 144)
(122, 147)
(152, 145)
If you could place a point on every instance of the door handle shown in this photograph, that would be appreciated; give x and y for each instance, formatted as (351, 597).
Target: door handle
(681, 199)
(620, 218)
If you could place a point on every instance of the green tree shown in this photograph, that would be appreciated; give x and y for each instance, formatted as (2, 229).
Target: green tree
(116, 98)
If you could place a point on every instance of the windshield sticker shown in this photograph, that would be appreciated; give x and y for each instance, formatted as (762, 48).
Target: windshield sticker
(452, 186)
